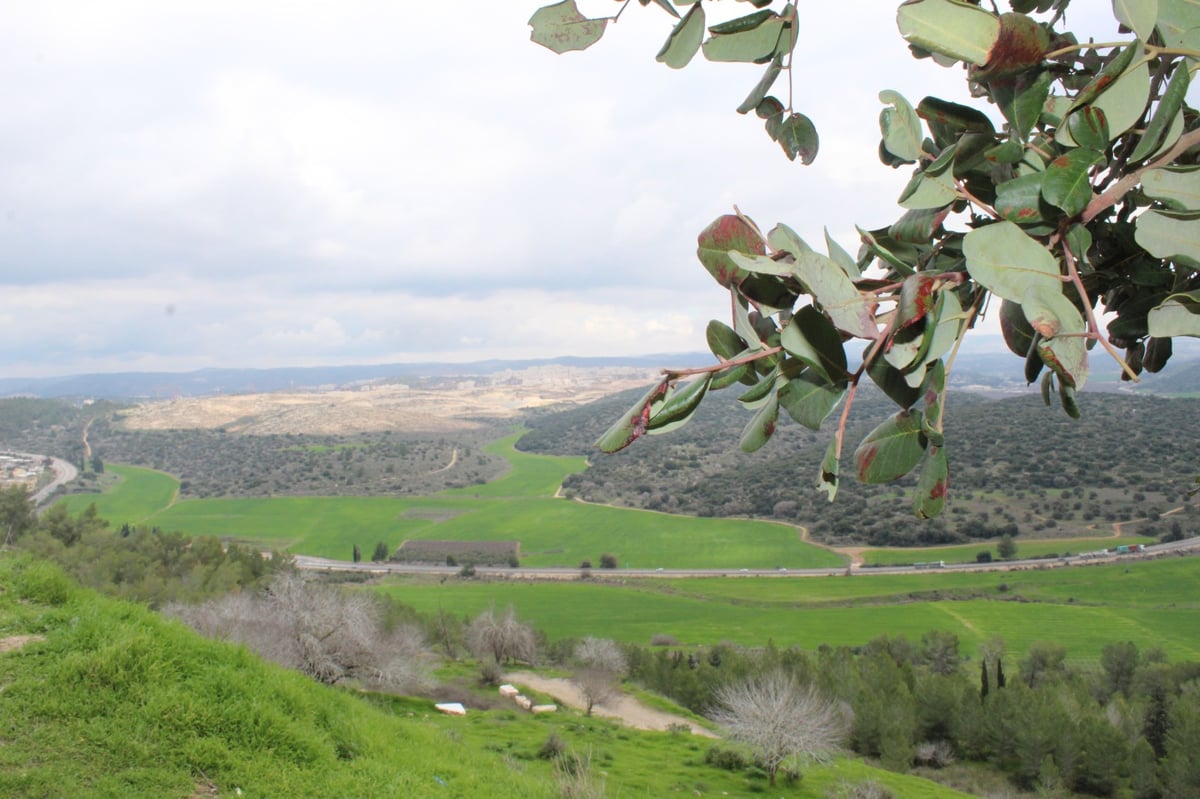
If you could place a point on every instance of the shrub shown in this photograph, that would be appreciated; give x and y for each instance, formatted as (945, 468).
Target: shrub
(727, 759)
(553, 747)
(43, 583)
(663, 639)
(862, 790)
(608, 561)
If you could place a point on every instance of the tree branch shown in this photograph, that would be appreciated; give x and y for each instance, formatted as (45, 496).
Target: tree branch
(1116, 191)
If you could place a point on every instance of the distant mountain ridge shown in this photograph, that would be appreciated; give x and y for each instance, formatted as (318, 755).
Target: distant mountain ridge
(984, 364)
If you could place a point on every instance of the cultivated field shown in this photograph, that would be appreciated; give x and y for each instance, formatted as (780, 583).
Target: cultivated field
(1152, 603)
(521, 506)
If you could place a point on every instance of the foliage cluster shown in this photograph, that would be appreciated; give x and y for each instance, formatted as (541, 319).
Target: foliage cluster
(1070, 191)
(1022, 470)
(140, 563)
(915, 702)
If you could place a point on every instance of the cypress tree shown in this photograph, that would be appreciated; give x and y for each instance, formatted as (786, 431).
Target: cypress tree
(983, 680)
(999, 673)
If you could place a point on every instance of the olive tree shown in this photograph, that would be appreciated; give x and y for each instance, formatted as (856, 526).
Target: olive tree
(1069, 193)
(779, 719)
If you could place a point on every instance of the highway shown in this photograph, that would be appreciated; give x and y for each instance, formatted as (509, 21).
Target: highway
(307, 562)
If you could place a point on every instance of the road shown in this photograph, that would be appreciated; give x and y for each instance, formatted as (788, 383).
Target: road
(568, 573)
(64, 473)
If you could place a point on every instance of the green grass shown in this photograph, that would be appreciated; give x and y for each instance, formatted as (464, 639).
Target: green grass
(519, 506)
(138, 495)
(1152, 603)
(117, 702)
(1026, 548)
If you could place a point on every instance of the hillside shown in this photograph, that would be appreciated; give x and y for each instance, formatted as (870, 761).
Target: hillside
(1016, 466)
(106, 699)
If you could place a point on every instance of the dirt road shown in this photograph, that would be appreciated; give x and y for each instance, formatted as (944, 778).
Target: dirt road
(627, 709)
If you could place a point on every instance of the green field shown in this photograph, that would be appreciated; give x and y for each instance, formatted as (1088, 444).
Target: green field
(1026, 548)
(519, 506)
(1152, 603)
(112, 700)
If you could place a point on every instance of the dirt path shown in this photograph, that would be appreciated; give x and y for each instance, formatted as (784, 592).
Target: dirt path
(627, 709)
(450, 465)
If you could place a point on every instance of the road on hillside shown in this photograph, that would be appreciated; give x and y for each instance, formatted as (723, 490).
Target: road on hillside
(1188, 545)
(64, 473)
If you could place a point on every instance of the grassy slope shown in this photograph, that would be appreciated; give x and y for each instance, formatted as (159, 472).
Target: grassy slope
(117, 702)
(519, 506)
(1152, 603)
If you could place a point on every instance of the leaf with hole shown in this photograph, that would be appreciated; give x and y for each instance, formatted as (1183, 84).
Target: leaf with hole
(561, 28)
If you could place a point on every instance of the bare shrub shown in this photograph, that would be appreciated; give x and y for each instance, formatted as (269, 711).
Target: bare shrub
(600, 668)
(859, 790)
(937, 754)
(576, 779)
(330, 635)
(780, 720)
(505, 639)
(663, 639)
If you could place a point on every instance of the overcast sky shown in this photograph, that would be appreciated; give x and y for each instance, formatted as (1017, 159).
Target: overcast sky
(190, 184)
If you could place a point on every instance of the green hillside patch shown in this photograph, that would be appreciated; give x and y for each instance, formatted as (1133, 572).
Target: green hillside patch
(137, 495)
(1026, 548)
(529, 475)
(110, 700)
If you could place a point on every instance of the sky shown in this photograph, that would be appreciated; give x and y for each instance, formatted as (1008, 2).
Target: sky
(257, 184)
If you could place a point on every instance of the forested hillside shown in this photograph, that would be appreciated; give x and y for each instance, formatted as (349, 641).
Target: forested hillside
(1017, 467)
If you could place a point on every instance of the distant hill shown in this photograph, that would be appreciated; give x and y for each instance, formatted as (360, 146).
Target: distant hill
(207, 382)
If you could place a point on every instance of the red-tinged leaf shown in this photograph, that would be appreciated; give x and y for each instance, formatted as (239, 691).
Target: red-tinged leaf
(1019, 47)
(679, 405)
(1066, 183)
(561, 28)
(1020, 199)
(891, 450)
(728, 232)
(760, 429)
(929, 498)
(632, 425)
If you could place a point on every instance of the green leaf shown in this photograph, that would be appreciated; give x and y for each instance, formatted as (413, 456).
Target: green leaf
(1089, 127)
(1066, 395)
(1122, 101)
(1137, 15)
(1179, 23)
(1023, 102)
(684, 41)
(761, 264)
(955, 117)
(900, 127)
(891, 381)
(840, 257)
(783, 239)
(1178, 187)
(744, 326)
(722, 341)
(1005, 261)
(561, 27)
(632, 425)
(728, 232)
(810, 398)
(1165, 114)
(827, 478)
(929, 497)
(743, 24)
(746, 44)
(918, 226)
(959, 30)
(1018, 335)
(1050, 313)
(679, 405)
(812, 339)
(759, 92)
(798, 137)
(758, 394)
(849, 309)
(1166, 234)
(760, 429)
(925, 191)
(879, 250)
(1066, 183)
(665, 5)
(891, 450)
(1019, 200)
(1178, 315)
